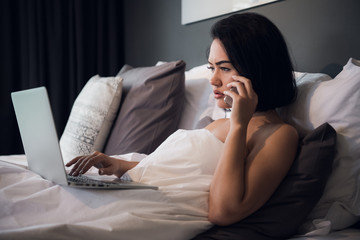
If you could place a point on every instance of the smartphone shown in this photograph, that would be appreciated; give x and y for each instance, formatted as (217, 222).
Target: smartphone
(228, 100)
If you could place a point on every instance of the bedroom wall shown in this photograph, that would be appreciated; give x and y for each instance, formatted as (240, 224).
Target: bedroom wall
(321, 34)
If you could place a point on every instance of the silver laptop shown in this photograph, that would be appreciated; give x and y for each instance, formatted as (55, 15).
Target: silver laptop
(41, 144)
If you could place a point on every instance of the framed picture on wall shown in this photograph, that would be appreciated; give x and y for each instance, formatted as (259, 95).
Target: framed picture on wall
(197, 10)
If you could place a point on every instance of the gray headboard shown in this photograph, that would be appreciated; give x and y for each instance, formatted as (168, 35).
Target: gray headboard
(321, 34)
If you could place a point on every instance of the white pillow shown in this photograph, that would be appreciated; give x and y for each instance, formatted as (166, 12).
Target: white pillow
(297, 114)
(197, 91)
(91, 117)
(337, 102)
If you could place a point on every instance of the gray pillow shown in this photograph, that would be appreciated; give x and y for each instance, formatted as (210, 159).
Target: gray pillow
(296, 196)
(151, 109)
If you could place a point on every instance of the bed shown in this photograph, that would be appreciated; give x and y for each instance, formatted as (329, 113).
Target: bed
(130, 116)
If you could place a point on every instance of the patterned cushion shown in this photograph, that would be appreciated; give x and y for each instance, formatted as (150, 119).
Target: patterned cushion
(91, 117)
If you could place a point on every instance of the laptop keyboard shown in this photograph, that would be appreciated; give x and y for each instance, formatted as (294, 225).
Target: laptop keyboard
(83, 180)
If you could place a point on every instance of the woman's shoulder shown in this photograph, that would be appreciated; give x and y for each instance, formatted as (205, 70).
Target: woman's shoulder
(287, 131)
(274, 137)
(275, 144)
(269, 124)
(278, 130)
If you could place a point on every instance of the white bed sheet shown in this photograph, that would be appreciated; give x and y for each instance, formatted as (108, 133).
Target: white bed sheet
(98, 201)
(33, 206)
(36, 207)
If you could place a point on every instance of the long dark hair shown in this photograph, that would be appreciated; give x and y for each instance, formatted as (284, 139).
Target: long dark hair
(258, 51)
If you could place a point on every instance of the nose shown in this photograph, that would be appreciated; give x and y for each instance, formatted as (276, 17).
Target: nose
(215, 79)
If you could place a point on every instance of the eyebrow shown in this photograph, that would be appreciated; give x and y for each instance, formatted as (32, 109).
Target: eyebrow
(221, 62)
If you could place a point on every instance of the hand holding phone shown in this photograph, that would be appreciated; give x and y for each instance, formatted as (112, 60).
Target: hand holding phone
(227, 99)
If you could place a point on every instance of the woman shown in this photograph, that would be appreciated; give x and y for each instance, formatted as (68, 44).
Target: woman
(248, 53)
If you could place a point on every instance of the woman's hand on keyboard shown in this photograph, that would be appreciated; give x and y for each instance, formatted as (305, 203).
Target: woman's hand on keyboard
(106, 165)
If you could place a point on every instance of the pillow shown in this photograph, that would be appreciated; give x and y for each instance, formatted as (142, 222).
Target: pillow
(151, 109)
(91, 117)
(297, 114)
(338, 102)
(197, 91)
(298, 193)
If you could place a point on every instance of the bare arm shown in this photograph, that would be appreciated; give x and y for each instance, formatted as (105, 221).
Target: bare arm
(227, 187)
(248, 174)
(242, 184)
(106, 165)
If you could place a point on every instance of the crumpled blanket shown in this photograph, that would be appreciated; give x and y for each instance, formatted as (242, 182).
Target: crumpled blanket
(182, 167)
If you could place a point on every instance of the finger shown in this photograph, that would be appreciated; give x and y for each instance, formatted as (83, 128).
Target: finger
(248, 88)
(88, 161)
(73, 161)
(241, 90)
(232, 94)
(95, 160)
(247, 82)
(76, 166)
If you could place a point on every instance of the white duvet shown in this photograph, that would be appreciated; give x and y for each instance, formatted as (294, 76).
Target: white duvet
(182, 167)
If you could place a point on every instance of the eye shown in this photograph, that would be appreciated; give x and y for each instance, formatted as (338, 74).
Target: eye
(212, 69)
(224, 69)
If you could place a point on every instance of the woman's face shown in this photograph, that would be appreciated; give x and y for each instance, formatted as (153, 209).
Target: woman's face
(222, 71)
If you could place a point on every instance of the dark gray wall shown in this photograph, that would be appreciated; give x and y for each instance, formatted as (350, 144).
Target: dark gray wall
(321, 34)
